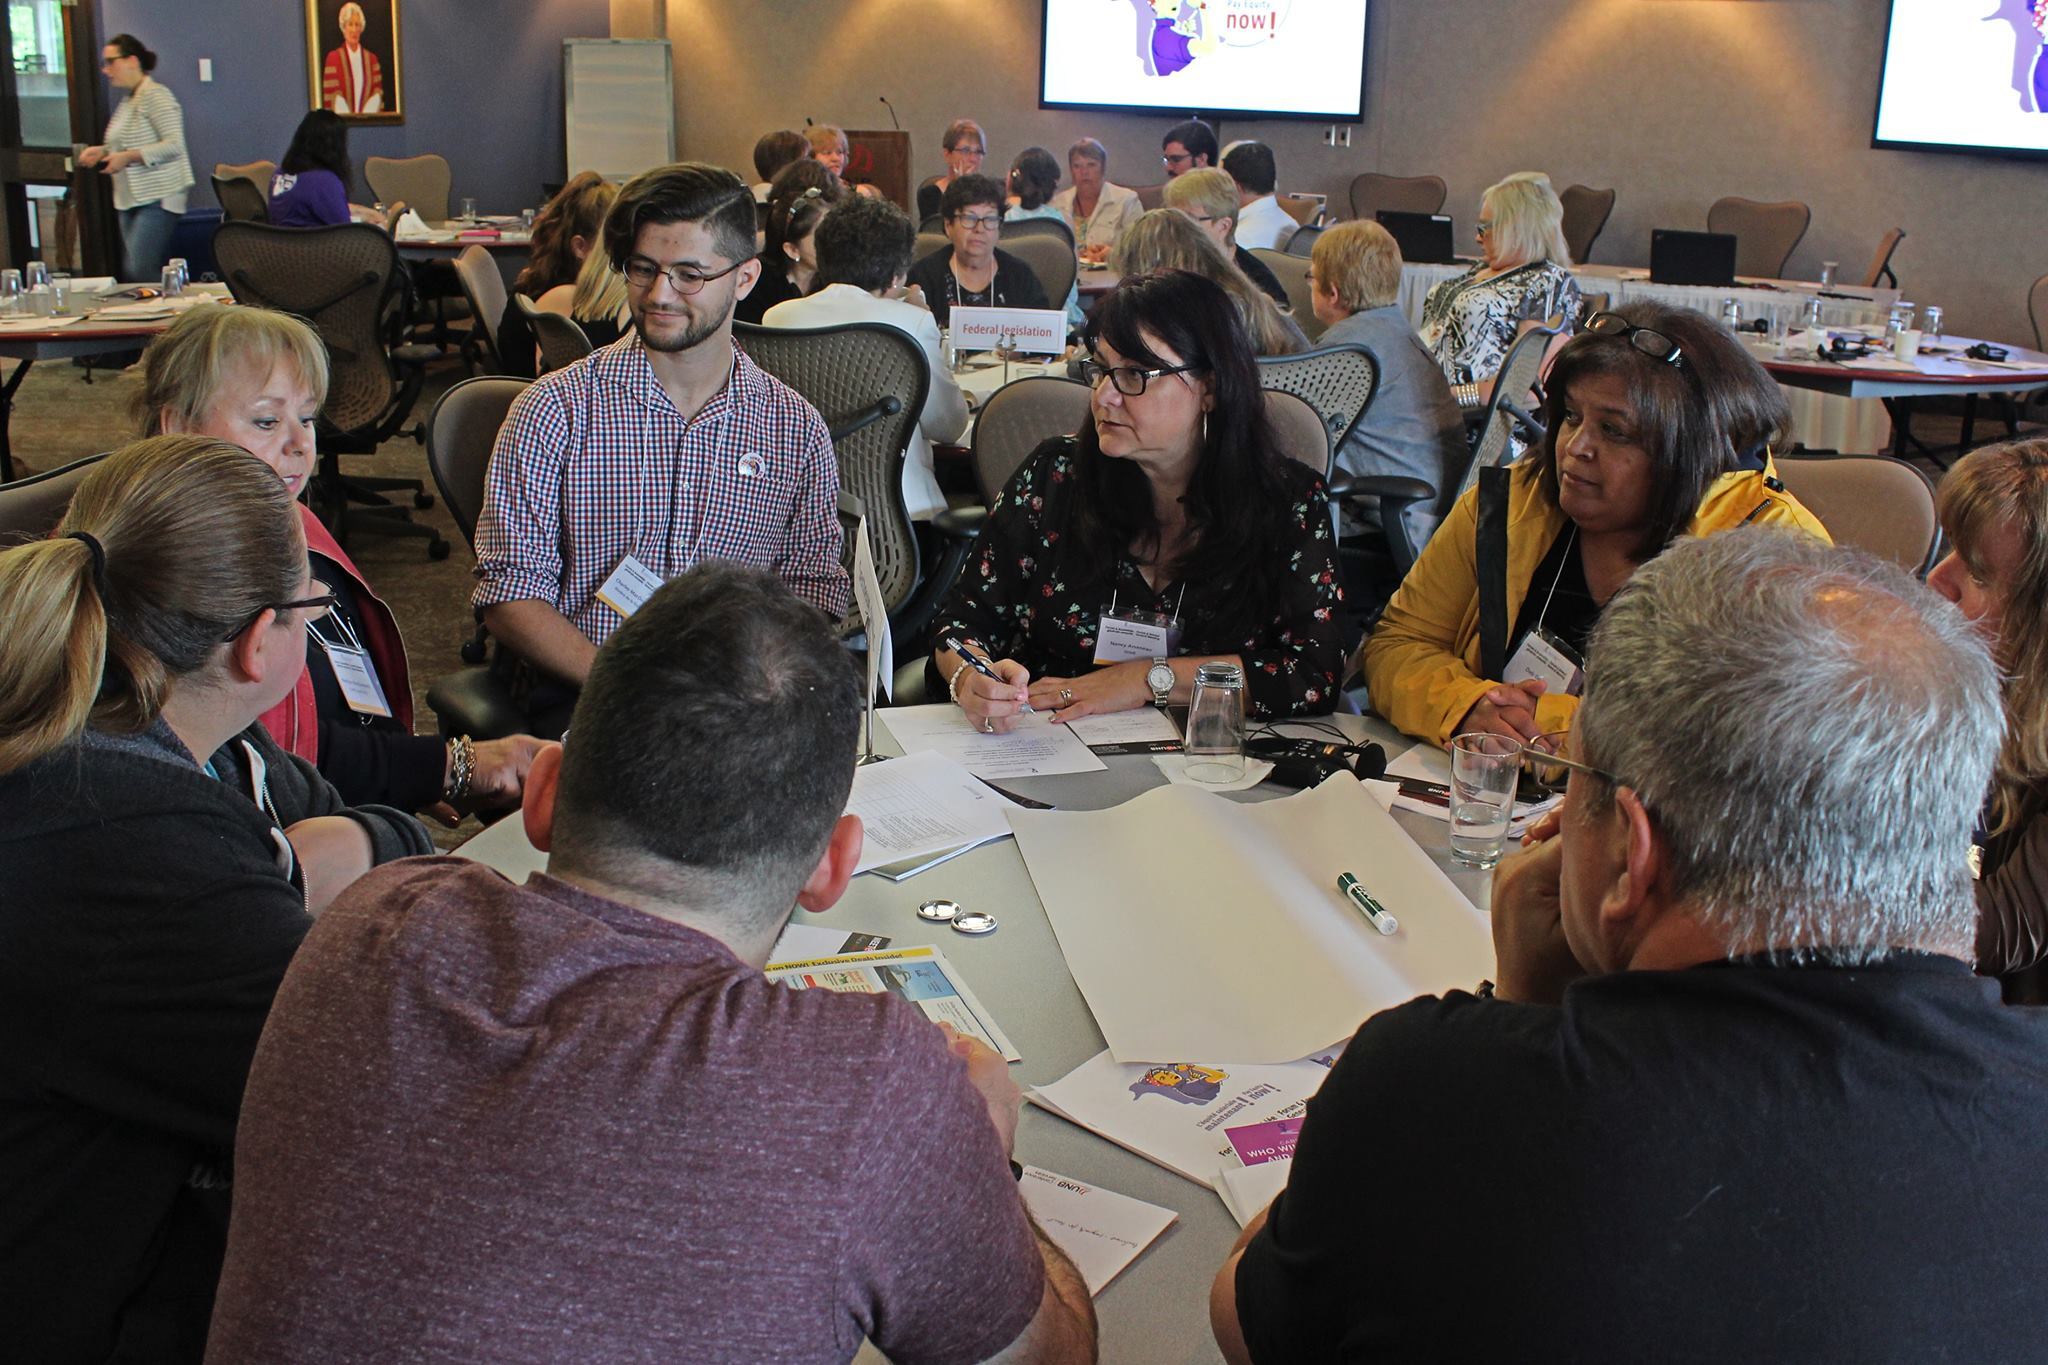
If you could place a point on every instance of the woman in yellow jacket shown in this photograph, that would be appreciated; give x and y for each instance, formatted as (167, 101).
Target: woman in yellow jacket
(1659, 424)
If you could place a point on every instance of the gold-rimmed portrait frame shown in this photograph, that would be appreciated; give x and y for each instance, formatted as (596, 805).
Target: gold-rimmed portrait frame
(361, 80)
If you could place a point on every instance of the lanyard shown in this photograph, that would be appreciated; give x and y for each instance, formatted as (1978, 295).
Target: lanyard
(1554, 578)
(1181, 601)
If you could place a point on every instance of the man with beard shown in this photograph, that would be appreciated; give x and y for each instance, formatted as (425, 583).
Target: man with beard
(664, 449)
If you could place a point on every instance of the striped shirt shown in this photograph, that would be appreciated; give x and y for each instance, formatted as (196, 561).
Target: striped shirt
(594, 463)
(149, 120)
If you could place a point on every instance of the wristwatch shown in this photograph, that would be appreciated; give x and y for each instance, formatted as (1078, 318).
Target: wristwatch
(1159, 677)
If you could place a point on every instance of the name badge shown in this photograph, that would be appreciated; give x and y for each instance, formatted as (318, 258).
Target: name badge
(629, 586)
(1122, 636)
(358, 679)
(1544, 657)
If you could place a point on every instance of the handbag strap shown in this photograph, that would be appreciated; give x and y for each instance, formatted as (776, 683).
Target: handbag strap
(1491, 566)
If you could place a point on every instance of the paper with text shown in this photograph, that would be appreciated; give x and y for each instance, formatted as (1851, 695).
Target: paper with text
(1035, 748)
(920, 975)
(800, 942)
(1030, 331)
(923, 803)
(1100, 1230)
(1142, 725)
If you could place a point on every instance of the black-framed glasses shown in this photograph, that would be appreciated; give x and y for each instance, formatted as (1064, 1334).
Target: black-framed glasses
(641, 274)
(1130, 381)
(979, 222)
(315, 608)
(1652, 343)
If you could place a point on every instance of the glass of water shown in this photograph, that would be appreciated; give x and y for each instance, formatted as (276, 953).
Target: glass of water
(1731, 314)
(1930, 328)
(60, 291)
(526, 220)
(469, 210)
(1484, 769)
(10, 291)
(1215, 739)
(1827, 273)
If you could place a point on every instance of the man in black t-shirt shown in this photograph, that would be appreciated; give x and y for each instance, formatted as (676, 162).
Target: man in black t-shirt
(1738, 1095)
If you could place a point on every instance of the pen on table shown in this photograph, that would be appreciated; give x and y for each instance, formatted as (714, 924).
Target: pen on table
(1381, 917)
(981, 666)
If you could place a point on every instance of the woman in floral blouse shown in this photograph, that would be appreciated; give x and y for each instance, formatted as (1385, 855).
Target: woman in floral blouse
(1172, 512)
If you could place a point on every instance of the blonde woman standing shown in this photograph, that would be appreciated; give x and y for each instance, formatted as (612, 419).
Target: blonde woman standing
(144, 155)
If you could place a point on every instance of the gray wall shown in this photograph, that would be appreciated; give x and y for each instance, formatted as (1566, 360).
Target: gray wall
(1674, 103)
(483, 84)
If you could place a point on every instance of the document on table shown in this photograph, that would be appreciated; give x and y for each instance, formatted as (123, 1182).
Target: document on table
(1100, 1230)
(800, 942)
(39, 324)
(920, 975)
(1174, 1113)
(1228, 939)
(923, 803)
(1248, 1189)
(1035, 748)
(1144, 725)
(1427, 763)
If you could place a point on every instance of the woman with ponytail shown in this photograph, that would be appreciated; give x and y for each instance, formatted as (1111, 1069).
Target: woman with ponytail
(160, 859)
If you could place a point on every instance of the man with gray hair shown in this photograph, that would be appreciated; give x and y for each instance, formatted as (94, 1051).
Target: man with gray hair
(1737, 1095)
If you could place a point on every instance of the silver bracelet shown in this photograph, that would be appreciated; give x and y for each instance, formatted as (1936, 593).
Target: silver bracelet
(462, 767)
(953, 683)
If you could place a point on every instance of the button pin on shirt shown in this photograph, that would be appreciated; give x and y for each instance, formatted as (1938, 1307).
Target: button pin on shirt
(752, 466)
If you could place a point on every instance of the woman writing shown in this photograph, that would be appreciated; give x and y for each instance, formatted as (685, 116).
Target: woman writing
(257, 378)
(1096, 210)
(1658, 424)
(564, 231)
(1994, 510)
(976, 273)
(162, 859)
(1167, 239)
(803, 194)
(1169, 512)
(1469, 322)
(144, 155)
(964, 145)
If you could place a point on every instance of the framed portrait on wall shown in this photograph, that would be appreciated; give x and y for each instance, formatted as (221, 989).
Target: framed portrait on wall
(352, 59)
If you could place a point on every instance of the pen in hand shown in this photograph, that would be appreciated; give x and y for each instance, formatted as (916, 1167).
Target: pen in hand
(981, 666)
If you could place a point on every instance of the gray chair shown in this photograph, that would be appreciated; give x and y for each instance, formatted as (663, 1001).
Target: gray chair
(1036, 227)
(484, 288)
(1051, 259)
(1873, 502)
(1150, 196)
(1372, 192)
(421, 181)
(241, 200)
(1585, 212)
(1505, 415)
(1300, 431)
(30, 508)
(1765, 234)
(1881, 264)
(258, 172)
(1337, 381)
(1292, 272)
(1303, 242)
(562, 340)
(1015, 418)
(927, 243)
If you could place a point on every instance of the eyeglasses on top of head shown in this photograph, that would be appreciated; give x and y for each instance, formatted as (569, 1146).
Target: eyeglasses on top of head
(1130, 381)
(641, 274)
(1652, 343)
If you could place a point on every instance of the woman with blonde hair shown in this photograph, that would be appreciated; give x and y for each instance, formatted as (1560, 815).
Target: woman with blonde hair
(564, 233)
(1168, 239)
(596, 302)
(828, 147)
(1209, 196)
(1525, 280)
(1994, 510)
(162, 859)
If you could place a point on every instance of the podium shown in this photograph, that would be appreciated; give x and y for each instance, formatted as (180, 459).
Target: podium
(882, 158)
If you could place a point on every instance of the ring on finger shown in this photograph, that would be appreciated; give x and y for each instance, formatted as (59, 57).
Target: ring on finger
(988, 724)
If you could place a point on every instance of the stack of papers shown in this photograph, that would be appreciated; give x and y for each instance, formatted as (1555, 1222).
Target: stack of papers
(1427, 763)
(921, 805)
(1035, 748)
(920, 975)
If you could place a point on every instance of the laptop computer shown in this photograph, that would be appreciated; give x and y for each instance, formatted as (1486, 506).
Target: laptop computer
(1692, 257)
(1424, 238)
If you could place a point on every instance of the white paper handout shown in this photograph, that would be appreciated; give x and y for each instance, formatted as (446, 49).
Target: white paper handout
(1035, 748)
(874, 614)
(1427, 763)
(1228, 940)
(922, 803)
(920, 975)
(1248, 1189)
(1100, 1230)
(1140, 725)
(800, 941)
(1174, 1113)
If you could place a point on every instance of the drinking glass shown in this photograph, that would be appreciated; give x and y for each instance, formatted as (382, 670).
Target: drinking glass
(1827, 273)
(1930, 328)
(60, 291)
(1484, 767)
(184, 270)
(171, 287)
(37, 275)
(526, 220)
(1812, 319)
(1731, 314)
(10, 291)
(469, 210)
(1215, 740)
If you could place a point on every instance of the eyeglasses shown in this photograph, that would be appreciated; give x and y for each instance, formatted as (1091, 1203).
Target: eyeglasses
(1130, 381)
(1654, 344)
(1176, 158)
(1482, 227)
(978, 222)
(641, 273)
(1534, 761)
(315, 608)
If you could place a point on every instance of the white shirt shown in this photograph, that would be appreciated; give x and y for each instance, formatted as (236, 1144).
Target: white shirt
(1115, 209)
(944, 415)
(1263, 223)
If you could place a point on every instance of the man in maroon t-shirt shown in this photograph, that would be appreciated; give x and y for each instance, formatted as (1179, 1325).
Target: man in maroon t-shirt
(572, 1120)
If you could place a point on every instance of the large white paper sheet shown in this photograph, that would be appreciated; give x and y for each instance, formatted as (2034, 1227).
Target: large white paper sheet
(1200, 927)
(922, 803)
(1035, 748)
(1100, 1230)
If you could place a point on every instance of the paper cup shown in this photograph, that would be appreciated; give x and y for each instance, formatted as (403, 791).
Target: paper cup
(1906, 345)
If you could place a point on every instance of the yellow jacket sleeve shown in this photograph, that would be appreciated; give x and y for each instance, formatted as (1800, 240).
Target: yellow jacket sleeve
(1415, 673)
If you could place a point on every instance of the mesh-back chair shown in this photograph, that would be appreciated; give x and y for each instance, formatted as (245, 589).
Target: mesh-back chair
(1872, 502)
(1506, 414)
(868, 380)
(30, 508)
(241, 200)
(421, 181)
(1765, 234)
(1372, 192)
(1337, 381)
(1292, 272)
(1051, 259)
(561, 339)
(1881, 264)
(1585, 213)
(484, 287)
(1150, 196)
(1036, 227)
(1303, 242)
(1015, 418)
(461, 430)
(346, 282)
(1300, 431)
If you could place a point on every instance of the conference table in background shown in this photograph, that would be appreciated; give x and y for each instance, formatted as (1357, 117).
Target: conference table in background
(1156, 1311)
(447, 240)
(1883, 383)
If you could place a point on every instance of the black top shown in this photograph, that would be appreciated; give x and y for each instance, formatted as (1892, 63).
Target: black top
(1014, 285)
(1736, 1162)
(369, 759)
(1262, 276)
(772, 288)
(1569, 613)
(1015, 599)
(515, 341)
(603, 331)
(929, 198)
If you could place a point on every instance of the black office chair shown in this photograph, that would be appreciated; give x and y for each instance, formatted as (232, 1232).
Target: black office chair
(347, 283)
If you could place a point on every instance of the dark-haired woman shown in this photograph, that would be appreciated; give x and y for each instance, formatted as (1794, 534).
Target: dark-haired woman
(802, 194)
(161, 859)
(976, 273)
(310, 188)
(1034, 179)
(565, 233)
(144, 155)
(1658, 424)
(1170, 513)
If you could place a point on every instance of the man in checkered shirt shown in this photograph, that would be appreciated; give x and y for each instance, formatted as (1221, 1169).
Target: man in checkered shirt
(664, 449)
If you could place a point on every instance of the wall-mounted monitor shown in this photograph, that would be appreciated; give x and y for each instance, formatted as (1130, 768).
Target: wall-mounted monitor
(1232, 58)
(1964, 76)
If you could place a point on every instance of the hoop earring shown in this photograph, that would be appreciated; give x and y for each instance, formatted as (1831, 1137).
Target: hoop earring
(1205, 428)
